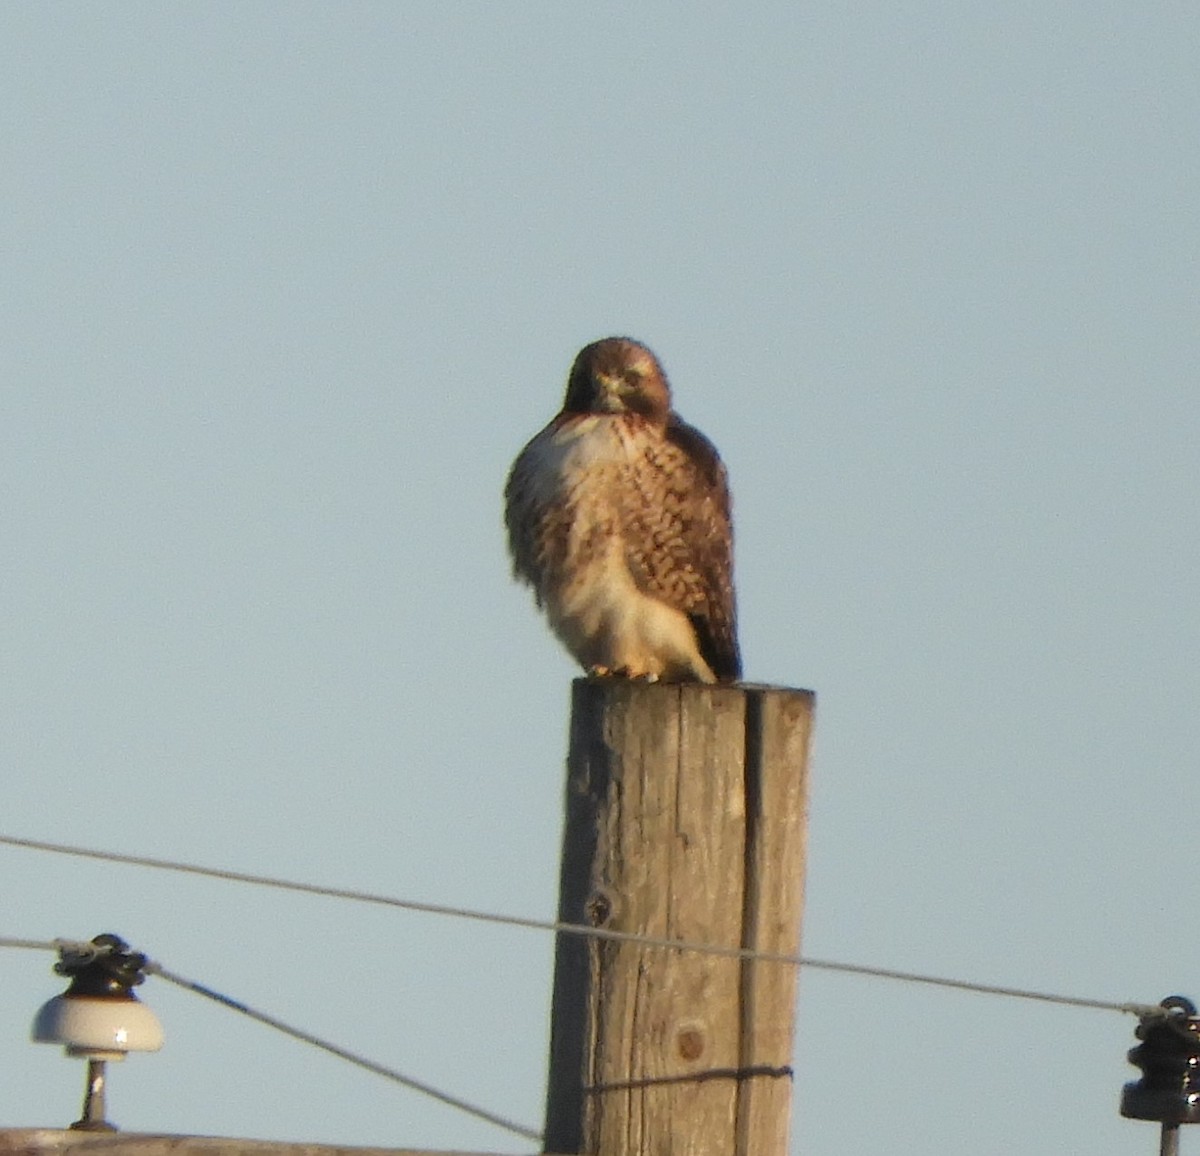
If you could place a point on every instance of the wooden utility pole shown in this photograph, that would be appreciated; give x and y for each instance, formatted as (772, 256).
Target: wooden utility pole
(686, 810)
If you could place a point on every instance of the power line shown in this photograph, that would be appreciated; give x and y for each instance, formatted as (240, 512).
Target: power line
(1137, 1009)
(262, 1017)
(423, 908)
(60, 945)
(584, 930)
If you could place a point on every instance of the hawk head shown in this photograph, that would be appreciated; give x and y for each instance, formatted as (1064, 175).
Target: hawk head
(618, 375)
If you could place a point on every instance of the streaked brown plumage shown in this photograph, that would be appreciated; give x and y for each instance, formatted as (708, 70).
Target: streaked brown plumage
(618, 516)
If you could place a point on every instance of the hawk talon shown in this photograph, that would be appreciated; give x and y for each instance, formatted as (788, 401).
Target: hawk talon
(621, 672)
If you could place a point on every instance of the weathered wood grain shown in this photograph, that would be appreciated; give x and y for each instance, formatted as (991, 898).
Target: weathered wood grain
(685, 820)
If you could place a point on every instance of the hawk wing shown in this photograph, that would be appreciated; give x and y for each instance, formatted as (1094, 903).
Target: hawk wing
(538, 513)
(679, 544)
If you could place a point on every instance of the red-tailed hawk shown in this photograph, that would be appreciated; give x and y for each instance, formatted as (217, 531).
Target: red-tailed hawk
(618, 517)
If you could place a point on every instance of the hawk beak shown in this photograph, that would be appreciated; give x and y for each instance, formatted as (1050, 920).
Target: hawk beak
(611, 390)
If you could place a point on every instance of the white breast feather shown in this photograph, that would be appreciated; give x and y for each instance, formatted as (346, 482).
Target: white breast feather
(598, 612)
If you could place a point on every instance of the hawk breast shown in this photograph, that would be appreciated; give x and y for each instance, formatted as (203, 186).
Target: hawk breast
(623, 533)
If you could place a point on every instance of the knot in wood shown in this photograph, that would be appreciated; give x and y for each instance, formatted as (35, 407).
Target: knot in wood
(598, 908)
(690, 1042)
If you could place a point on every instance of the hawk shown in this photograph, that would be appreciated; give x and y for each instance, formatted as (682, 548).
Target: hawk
(618, 516)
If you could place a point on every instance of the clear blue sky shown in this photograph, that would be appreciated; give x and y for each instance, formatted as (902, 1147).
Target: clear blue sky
(286, 287)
